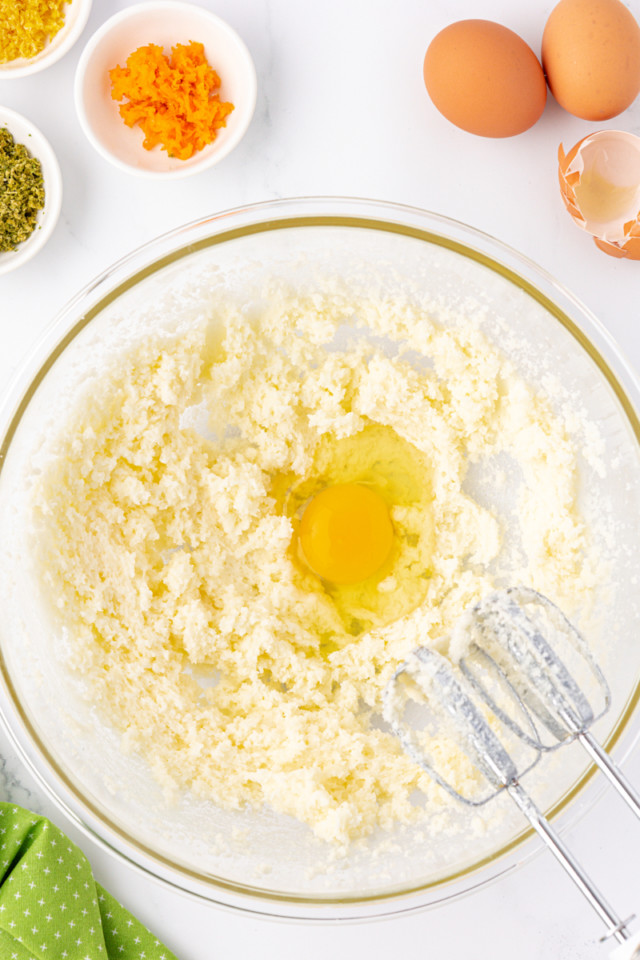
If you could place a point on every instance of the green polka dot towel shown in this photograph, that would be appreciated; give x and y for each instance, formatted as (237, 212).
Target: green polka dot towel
(51, 908)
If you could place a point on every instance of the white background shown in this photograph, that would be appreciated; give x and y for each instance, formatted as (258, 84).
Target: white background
(342, 110)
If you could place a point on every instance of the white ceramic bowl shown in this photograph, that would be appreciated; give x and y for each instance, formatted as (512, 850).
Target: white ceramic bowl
(164, 23)
(76, 16)
(23, 131)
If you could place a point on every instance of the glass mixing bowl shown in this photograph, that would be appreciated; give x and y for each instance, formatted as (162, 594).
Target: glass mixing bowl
(258, 861)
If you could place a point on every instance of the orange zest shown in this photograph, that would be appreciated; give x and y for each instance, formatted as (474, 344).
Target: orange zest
(172, 98)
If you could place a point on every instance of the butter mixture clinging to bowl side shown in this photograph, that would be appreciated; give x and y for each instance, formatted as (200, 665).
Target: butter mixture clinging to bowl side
(169, 533)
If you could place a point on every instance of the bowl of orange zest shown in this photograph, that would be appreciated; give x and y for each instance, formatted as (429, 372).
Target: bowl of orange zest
(165, 89)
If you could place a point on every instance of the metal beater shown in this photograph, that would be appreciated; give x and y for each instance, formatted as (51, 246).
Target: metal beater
(508, 633)
(509, 675)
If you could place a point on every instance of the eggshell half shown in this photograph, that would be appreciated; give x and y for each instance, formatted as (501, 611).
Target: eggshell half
(600, 185)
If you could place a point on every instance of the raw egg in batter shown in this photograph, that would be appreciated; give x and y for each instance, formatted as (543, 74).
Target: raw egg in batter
(363, 528)
(346, 533)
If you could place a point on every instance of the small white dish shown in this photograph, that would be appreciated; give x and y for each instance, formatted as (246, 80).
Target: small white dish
(165, 23)
(76, 16)
(23, 131)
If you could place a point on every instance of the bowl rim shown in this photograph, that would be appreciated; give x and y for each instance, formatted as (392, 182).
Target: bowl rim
(237, 129)
(52, 51)
(167, 248)
(41, 149)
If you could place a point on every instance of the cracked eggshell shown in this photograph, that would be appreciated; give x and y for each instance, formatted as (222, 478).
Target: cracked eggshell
(600, 185)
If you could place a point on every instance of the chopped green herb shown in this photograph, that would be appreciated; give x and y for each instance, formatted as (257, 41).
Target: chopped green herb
(21, 192)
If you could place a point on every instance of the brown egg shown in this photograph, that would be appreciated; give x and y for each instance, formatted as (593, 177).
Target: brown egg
(484, 78)
(591, 56)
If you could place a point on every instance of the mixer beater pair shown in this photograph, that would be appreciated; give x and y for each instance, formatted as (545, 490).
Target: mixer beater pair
(517, 664)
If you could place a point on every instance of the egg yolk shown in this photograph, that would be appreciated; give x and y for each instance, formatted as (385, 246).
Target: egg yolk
(346, 533)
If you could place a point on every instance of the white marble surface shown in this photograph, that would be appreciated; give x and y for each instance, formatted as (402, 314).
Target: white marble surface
(342, 111)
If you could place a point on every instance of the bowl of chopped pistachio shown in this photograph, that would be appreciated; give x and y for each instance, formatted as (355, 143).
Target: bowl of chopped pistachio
(34, 35)
(30, 190)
